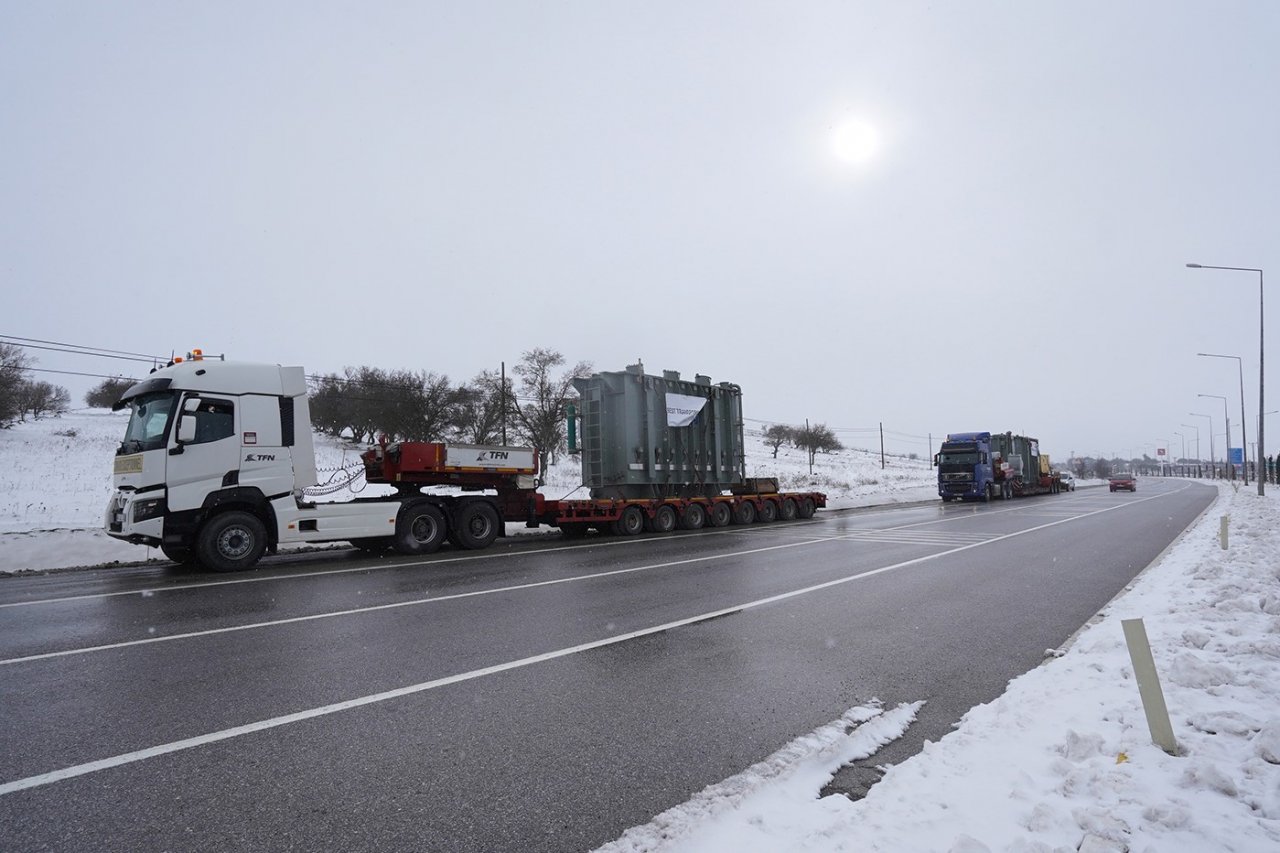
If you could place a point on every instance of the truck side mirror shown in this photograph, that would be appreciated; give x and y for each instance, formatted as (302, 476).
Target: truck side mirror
(186, 429)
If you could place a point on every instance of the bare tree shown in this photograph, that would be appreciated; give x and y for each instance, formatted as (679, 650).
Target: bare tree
(13, 376)
(481, 408)
(544, 398)
(107, 393)
(422, 406)
(778, 435)
(816, 438)
(42, 398)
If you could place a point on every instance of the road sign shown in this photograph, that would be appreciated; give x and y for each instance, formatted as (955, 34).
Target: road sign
(1236, 455)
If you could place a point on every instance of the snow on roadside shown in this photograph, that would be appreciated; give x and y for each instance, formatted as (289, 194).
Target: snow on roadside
(1063, 760)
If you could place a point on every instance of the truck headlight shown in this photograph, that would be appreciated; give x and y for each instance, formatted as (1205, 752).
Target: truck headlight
(148, 509)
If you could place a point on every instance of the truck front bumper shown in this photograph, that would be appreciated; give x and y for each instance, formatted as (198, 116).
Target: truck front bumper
(136, 518)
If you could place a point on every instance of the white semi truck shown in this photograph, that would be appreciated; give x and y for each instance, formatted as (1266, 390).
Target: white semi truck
(217, 457)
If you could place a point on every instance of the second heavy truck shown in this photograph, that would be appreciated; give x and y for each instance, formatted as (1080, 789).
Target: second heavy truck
(983, 466)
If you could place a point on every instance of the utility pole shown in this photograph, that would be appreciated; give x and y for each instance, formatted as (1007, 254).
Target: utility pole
(882, 445)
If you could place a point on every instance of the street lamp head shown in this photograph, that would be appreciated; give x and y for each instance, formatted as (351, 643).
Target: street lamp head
(1195, 266)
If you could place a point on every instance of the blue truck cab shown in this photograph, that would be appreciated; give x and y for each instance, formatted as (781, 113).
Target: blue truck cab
(968, 468)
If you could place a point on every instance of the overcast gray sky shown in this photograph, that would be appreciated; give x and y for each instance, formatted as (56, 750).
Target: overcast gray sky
(942, 216)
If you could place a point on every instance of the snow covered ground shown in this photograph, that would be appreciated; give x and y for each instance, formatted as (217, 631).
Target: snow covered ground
(1062, 761)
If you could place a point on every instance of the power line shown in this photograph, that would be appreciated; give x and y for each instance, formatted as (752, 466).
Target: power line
(79, 349)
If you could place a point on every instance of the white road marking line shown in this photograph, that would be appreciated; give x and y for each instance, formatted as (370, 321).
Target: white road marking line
(398, 604)
(409, 564)
(324, 710)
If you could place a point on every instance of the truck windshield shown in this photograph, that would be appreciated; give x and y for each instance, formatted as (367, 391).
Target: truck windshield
(946, 458)
(148, 422)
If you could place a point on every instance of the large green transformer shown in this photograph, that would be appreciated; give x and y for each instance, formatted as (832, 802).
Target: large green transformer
(656, 437)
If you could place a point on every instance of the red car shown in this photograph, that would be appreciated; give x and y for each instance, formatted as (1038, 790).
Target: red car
(1124, 481)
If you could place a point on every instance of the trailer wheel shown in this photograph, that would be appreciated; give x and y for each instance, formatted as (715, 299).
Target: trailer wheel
(744, 513)
(768, 512)
(476, 526)
(231, 542)
(720, 514)
(420, 528)
(180, 554)
(694, 517)
(630, 522)
(807, 508)
(789, 509)
(663, 520)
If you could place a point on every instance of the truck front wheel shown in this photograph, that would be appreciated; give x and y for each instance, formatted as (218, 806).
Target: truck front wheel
(231, 542)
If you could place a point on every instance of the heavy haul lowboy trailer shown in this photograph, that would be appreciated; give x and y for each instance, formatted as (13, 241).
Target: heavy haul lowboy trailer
(410, 466)
(217, 458)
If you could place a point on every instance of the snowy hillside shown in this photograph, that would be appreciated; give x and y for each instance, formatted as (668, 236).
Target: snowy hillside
(55, 480)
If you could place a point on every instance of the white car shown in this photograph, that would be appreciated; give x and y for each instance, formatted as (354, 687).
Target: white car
(1067, 480)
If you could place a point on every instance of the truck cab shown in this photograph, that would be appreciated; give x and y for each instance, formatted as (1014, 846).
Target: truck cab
(967, 467)
(213, 465)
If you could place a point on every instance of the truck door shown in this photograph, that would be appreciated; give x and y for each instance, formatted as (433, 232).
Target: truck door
(204, 452)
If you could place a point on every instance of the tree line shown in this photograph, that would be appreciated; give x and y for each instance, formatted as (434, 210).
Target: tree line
(814, 439)
(20, 395)
(530, 407)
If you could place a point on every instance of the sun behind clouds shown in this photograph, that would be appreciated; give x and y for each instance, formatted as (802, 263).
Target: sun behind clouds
(855, 141)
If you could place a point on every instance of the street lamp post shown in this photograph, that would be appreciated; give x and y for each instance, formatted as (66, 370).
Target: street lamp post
(1226, 456)
(1184, 444)
(1261, 354)
(1213, 461)
(1197, 429)
(1244, 439)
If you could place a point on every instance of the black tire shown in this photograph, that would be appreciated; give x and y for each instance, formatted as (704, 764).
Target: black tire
(790, 512)
(574, 529)
(663, 519)
(630, 522)
(807, 508)
(694, 517)
(420, 529)
(475, 526)
(744, 513)
(373, 544)
(231, 542)
(768, 512)
(720, 514)
(989, 494)
(180, 554)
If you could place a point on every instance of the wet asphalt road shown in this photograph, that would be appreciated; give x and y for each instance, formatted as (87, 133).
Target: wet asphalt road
(536, 696)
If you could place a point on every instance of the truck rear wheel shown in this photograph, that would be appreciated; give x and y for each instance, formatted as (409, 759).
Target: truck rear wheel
(420, 528)
(664, 519)
(807, 508)
(744, 513)
(476, 526)
(231, 542)
(694, 517)
(631, 522)
(720, 514)
(768, 512)
(789, 509)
